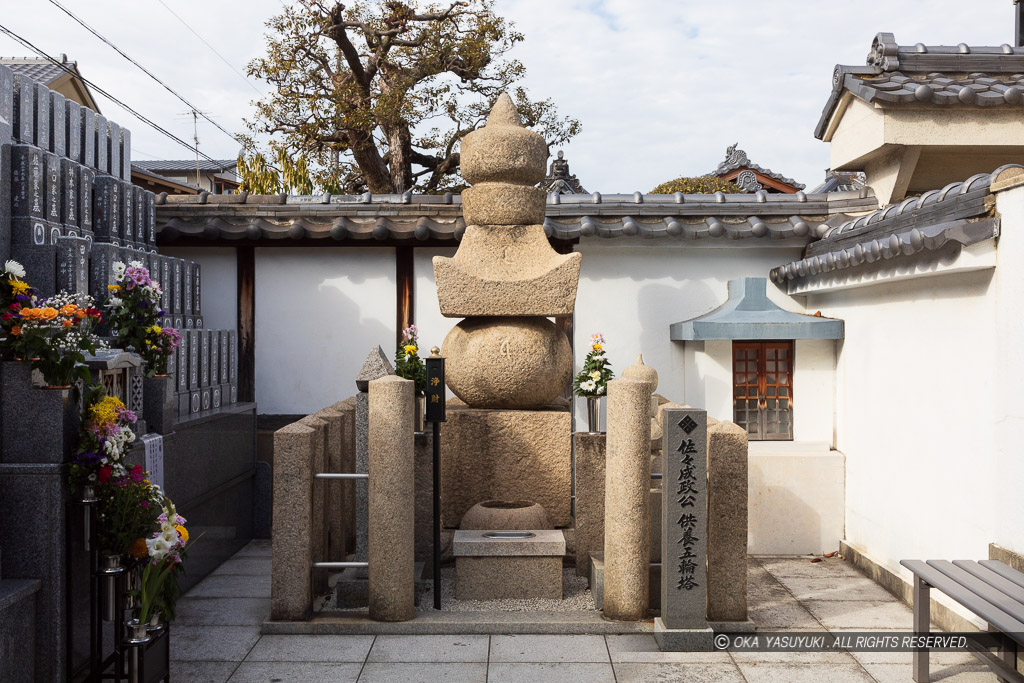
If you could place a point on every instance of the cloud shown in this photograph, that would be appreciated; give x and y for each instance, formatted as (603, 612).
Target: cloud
(662, 87)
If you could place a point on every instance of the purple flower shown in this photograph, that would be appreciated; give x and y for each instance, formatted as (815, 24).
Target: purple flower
(144, 503)
(126, 415)
(20, 297)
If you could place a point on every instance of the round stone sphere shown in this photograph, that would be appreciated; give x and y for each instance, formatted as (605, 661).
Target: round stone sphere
(505, 515)
(517, 363)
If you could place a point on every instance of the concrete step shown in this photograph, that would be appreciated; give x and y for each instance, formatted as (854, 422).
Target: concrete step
(18, 629)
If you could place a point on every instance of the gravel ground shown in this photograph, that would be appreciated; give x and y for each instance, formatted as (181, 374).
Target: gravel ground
(577, 598)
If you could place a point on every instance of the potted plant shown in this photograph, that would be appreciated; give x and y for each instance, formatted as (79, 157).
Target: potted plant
(592, 381)
(409, 366)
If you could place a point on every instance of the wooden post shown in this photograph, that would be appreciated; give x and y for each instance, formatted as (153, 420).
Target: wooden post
(246, 273)
(404, 287)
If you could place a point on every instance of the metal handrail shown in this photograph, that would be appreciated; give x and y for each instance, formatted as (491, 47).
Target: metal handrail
(340, 565)
(340, 475)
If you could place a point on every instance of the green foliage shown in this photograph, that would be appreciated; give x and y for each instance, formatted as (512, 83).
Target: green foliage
(408, 364)
(597, 371)
(698, 185)
(378, 95)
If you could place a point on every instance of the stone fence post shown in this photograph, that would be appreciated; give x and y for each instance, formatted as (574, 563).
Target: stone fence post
(391, 522)
(292, 564)
(627, 501)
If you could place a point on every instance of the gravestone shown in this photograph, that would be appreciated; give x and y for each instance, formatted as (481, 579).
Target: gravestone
(181, 368)
(374, 367)
(196, 291)
(52, 188)
(683, 624)
(86, 178)
(28, 203)
(151, 218)
(42, 118)
(166, 283)
(139, 207)
(233, 364)
(213, 340)
(204, 358)
(193, 359)
(126, 155)
(102, 256)
(127, 212)
(107, 209)
(24, 109)
(114, 149)
(73, 122)
(187, 278)
(225, 359)
(58, 124)
(87, 130)
(69, 201)
(73, 265)
(5, 201)
(7, 116)
(102, 164)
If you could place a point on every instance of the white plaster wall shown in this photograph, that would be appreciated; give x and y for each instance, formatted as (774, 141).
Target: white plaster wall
(814, 391)
(632, 294)
(1008, 415)
(432, 326)
(319, 311)
(915, 406)
(218, 282)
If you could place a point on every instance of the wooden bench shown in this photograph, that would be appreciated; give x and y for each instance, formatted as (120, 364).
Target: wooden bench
(990, 589)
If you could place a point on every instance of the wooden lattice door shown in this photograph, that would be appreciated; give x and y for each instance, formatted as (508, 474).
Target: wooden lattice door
(762, 375)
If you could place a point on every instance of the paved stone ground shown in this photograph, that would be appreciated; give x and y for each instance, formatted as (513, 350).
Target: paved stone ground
(217, 638)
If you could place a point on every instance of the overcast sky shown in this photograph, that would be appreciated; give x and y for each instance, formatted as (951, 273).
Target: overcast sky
(661, 87)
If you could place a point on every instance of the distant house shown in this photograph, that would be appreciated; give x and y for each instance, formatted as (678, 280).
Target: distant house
(215, 177)
(64, 79)
(154, 182)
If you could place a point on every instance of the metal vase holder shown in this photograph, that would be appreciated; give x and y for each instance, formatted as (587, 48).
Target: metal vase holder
(594, 414)
(141, 651)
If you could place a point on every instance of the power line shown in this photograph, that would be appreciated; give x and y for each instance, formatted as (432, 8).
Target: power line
(212, 48)
(100, 90)
(141, 68)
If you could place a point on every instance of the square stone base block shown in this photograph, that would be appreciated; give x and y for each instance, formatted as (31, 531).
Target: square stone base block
(506, 455)
(597, 582)
(683, 639)
(495, 578)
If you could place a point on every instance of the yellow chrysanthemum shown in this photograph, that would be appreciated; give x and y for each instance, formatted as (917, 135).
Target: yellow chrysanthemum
(105, 412)
(597, 347)
(410, 348)
(114, 288)
(182, 531)
(19, 287)
(154, 329)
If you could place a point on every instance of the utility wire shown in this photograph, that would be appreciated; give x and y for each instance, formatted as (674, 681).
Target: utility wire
(141, 68)
(130, 110)
(212, 48)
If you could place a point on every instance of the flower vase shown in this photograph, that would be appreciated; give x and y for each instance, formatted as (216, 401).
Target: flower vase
(131, 590)
(158, 403)
(137, 632)
(154, 624)
(110, 572)
(417, 422)
(594, 414)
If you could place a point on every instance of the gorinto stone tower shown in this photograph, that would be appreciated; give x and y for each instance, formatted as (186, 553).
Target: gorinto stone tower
(505, 279)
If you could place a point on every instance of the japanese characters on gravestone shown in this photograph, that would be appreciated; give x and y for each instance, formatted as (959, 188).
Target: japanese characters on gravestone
(126, 155)
(86, 177)
(684, 528)
(42, 117)
(73, 264)
(88, 133)
(24, 108)
(187, 275)
(28, 204)
(204, 359)
(196, 308)
(178, 266)
(139, 206)
(101, 144)
(214, 340)
(107, 214)
(151, 220)
(225, 360)
(7, 115)
(69, 195)
(53, 192)
(127, 213)
(114, 149)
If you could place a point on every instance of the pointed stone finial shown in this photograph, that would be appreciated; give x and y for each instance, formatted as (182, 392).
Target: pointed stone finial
(374, 367)
(504, 113)
(644, 373)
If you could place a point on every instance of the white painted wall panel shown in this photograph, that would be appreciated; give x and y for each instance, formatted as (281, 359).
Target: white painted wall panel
(318, 313)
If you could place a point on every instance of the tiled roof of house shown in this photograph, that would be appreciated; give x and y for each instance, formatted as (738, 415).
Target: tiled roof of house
(763, 216)
(736, 158)
(186, 165)
(942, 75)
(40, 70)
(959, 212)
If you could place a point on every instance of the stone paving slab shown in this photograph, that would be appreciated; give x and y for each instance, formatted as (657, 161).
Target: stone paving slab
(764, 672)
(259, 547)
(215, 586)
(252, 566)
(956, 673)
(193, 642)
(867, 615)
(198, 672)
(294, 672)
(464, 648)
(549, 672)
(222, 611)
(534, 648)
(468, 672)
(641, 648)
(311, 649)
(834, 588)
(674, 673)
(803, 567)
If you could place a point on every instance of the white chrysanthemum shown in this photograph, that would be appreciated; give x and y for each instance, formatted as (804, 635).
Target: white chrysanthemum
(14, 268)
(135, 264)
(115, 302)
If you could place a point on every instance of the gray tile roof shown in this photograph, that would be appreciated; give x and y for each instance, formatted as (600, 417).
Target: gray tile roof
(737, 158)
(917, 224)
(958, 75)
(761, 215)
(40, 70)
(840, 181)
(146, 173)
(186, 165)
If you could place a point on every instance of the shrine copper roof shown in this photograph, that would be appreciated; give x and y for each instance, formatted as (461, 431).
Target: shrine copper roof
(959, 75)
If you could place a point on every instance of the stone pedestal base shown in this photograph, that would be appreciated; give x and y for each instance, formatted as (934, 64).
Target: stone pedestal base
(497, 578)
(683, 639)
(506, 454)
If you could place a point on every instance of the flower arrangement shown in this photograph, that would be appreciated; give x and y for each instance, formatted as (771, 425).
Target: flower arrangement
(104, 437)
(15, 294)
(165, 550)
(592, 381)
(407, 361)
(134, 306)
(57, 333)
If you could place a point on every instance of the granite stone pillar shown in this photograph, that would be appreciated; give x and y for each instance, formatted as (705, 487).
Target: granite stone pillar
(333, 488)
(347, 408)
(291, 566)
(727, 521)
(318, 531)
(589, 512)
(391, 500)
(627, 501)
(374, 367)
